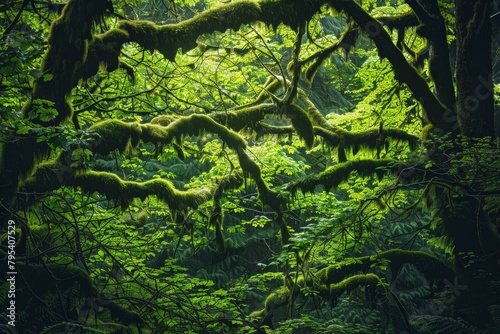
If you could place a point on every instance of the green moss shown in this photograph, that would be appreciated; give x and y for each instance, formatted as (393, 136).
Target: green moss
(115, 134)
(195, 124)
(244, 117)
(105, 183)
(143, 32)
(353, 282)
(124, 192)
(427, 132)
(427, 264)
(104, 50)
(302, 124)
(258, 314)
(168, 39)
(373, 139)
(278, 298)
(154, 133)
(290, 13)
(333, 176)
(176, 199)
(163, 120)
(67, 51)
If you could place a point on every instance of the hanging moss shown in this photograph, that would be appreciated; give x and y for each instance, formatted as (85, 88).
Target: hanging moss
(105, 183)
(67, 51)
(163, 120)
(251, 169)
(301, 123)
(104, 50)
(153, 133)
(263, 129)
(430, 266)
(290, 13)
(241, 118)
(373, 139)
(143, 32)
(341, 156)
(115, 134)
(353, 282)
(168, 39)
(176, 199)
(353, 273)
(333, 176)
(195, 124)
(276, 299)
(347, 40)
(124, 192)
(112, 131)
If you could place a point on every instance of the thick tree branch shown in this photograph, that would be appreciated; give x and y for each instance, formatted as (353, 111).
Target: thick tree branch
(51, 176)
(435, 111)
(333, 176)
(374, 139)
(331, 282)
(115, 134)
(433, 28)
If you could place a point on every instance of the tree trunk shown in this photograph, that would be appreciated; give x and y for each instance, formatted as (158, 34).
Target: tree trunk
(473, 69)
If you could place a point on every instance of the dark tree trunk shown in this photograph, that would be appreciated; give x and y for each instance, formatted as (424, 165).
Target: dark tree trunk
(473, 68)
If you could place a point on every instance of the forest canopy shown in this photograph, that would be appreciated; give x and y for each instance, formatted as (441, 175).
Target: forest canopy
(250, 166)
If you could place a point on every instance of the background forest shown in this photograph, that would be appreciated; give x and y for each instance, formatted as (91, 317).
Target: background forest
(250, 166)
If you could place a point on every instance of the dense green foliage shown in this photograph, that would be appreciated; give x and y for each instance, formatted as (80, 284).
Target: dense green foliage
(250, 166)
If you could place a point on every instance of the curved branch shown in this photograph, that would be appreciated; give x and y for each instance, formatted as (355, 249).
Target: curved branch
(434, 29)
(116, 134)
(53, 175)
(333, 176)
(435, 111)
(374, 139)
(331, 282)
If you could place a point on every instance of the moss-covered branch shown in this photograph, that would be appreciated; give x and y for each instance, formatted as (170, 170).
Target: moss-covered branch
(374, 139)
(331, 282)
(405, 73)
(333, 176)
(104, 49)
(433, 28)
(115, 188)
(69, 37)
(116, 134)
(67, 50)
(430, 266)
(232, 181)
(53, 175)
(240, 118)
(168, 39)
(194, 125)
(400, 21)
(346, 41)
